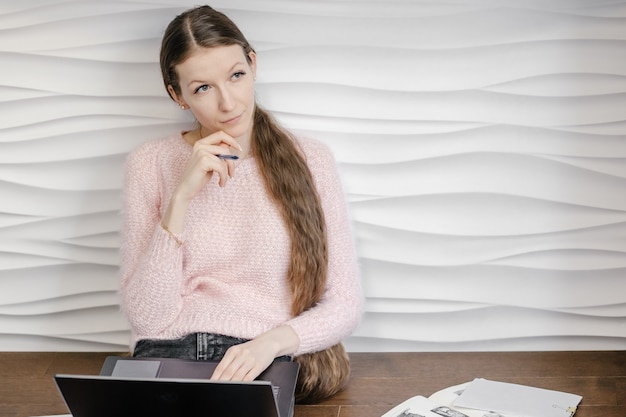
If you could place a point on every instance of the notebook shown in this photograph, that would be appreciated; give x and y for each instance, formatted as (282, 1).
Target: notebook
(140, 387)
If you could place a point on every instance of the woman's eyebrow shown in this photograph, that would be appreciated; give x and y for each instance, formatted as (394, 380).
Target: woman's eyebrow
(231, 69)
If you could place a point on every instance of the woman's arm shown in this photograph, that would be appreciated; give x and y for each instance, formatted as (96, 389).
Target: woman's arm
(153, 240)
(151, 258)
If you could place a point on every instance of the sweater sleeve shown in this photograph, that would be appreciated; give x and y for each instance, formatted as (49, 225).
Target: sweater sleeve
(151, 258)
(338, 313)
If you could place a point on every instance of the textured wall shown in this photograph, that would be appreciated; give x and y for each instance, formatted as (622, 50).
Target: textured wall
(482, 145)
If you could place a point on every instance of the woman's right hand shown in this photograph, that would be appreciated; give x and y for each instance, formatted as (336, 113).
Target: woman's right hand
(204, 162)
(200, 167)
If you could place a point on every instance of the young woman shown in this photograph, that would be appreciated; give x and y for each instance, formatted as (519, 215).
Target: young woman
(245, 260)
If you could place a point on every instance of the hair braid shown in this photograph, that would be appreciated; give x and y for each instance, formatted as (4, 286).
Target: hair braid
(290, 183)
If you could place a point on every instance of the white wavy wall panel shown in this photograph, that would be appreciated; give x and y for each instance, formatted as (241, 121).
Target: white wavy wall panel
(482, 145)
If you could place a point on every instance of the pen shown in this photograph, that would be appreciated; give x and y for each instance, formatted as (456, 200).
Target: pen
(224, 156)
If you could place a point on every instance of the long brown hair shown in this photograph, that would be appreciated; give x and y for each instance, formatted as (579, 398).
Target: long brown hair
(282, 166)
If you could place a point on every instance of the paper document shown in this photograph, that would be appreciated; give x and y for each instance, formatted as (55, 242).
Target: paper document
(419, 406)
(57, 415)
(517, 400)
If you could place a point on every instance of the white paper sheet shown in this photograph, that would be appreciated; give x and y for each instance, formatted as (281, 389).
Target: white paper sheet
(57, 415)
(419, 406)
(518, 400)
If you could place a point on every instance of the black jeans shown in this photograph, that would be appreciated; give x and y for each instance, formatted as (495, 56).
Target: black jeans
(196, 346)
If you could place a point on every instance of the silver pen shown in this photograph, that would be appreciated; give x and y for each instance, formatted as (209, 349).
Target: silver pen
(225, 156)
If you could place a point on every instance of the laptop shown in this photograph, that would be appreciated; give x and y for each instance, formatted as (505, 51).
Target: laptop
(151, 387)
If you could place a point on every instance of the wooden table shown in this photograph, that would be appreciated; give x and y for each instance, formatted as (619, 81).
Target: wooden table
(379, 380)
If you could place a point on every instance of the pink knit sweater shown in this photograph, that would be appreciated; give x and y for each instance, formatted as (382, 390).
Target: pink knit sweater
(229, 275)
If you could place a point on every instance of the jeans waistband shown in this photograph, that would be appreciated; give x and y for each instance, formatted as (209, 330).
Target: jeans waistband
(198, 346)
(195, 346)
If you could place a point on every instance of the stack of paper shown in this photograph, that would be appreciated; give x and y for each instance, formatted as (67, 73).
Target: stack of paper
(517, 400)
(484, 398)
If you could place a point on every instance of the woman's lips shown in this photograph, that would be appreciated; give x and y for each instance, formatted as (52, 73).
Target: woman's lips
(232, 120)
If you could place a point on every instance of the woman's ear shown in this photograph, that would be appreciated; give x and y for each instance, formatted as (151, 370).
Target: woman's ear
(252, 62)
(177, 99)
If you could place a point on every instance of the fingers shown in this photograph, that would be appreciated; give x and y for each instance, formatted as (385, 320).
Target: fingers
(204, 163)
(239, 369)
(241, 363)
(222, 139)
(206, 151)
(231, 167)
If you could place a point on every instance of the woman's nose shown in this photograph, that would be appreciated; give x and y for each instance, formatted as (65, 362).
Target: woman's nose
(227, 103)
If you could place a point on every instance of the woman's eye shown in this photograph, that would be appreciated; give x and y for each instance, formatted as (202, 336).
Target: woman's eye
(238, 75)
(203, 88)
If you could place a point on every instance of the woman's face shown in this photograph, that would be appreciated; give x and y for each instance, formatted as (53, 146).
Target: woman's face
(217, 84)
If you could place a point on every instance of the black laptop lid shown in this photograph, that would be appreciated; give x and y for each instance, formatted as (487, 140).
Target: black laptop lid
(127, 383)
(102, 396)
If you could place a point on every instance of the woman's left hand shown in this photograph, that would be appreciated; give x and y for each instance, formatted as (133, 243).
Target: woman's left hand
(246, 361)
